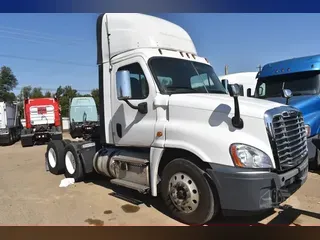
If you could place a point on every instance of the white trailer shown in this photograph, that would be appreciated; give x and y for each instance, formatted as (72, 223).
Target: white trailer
(161, 133)
(247, 80)
(10, 124)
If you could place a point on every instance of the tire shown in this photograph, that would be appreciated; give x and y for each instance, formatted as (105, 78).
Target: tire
(66, 142)
(10, 137)
(205, 200)
(55, 157)
(73, 163)
(26, 141)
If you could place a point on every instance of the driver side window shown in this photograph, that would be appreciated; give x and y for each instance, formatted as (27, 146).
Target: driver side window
(139, 83)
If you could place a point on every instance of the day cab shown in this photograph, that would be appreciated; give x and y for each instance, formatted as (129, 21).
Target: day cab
(169, 128)
(302, 76)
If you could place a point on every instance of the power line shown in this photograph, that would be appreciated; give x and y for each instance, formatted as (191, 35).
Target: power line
(45, 60)
(51, 89)
(38, 38)
(41, 33)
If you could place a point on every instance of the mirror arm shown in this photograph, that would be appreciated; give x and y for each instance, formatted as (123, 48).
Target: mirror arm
(237, 122)
(130, 104)
(287, 101)
(142, 107)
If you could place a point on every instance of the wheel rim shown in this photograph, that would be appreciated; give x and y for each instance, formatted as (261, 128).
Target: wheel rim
(184, 193)
(70, 162)
(52, 157)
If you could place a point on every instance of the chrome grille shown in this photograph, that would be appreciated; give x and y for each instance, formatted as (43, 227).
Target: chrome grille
(288, 136)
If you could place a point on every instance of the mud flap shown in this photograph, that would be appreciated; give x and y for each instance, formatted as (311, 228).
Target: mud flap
(46, 163)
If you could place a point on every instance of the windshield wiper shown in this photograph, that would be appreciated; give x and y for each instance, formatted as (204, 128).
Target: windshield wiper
(217, 91)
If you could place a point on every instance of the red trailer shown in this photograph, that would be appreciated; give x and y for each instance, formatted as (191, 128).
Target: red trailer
(43, 121)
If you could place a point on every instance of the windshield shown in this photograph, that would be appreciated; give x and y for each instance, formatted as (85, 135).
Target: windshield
(303, 83)
(183, 76)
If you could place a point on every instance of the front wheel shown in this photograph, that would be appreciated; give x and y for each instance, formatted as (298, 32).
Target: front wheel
(187, 193)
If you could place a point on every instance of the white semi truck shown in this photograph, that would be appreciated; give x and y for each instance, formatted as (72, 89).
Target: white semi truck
(163, 133)
(10, 124)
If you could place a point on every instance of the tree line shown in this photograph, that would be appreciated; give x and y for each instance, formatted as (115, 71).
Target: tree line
(8, 82)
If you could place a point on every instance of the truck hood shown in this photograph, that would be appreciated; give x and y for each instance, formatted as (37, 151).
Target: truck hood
(306, 104)
(223, 103)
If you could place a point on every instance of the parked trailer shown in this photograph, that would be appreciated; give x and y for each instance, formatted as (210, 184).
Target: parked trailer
(10, 124)
(246, 80)
(83, 117)
(43, 121)
(161, 133)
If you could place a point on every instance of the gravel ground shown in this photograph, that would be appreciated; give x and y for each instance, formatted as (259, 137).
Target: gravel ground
(31, 196)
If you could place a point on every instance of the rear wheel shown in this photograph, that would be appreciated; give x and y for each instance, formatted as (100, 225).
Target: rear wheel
(187, 193)
(55, 150)
(73, 163)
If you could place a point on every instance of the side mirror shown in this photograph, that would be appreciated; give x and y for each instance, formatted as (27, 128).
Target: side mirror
(123, 85)
(249, 92)
(225, 83)
(286, 93)
(234, 90)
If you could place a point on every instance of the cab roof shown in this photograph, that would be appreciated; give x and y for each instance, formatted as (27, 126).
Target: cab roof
(294, 65)
(130, 31)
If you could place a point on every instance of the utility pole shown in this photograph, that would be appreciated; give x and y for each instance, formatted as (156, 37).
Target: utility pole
(226, 69)
(260, 68)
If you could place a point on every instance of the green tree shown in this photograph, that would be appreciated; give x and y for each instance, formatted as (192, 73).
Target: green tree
(25, 92)
(95, 95)
(48, 94)
(65, 95)
(8, 82)
(36, 93)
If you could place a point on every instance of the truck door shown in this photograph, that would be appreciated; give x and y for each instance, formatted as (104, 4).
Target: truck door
(131, 128)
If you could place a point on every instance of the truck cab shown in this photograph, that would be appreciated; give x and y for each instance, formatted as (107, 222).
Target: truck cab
(302, 77)
(169, 128)
(43, 121)
(83, 117)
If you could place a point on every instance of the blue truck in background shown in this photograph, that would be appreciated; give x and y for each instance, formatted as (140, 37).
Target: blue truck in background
(302, 77)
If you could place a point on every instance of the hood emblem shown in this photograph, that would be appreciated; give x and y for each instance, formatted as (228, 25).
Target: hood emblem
(290, 113)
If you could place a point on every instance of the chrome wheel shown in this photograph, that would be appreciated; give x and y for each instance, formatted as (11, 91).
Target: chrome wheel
(70, 162)
(184, 193)
(52, 157)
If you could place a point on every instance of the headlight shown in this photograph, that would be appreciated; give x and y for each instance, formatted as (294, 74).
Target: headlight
(249, 157)
(308, 130)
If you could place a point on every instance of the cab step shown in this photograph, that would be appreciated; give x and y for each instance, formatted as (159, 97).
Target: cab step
(135, 186)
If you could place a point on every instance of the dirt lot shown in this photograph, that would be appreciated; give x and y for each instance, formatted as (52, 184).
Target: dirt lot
(31, 196)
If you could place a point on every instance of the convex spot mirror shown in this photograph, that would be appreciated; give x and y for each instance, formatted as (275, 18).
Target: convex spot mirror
(286, 93)
(234, 90)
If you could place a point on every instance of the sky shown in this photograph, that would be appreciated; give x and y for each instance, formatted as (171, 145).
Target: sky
(48, 50)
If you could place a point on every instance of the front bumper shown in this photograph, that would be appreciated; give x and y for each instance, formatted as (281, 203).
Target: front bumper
(4, 138)
(255, 191)
(37, 136)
